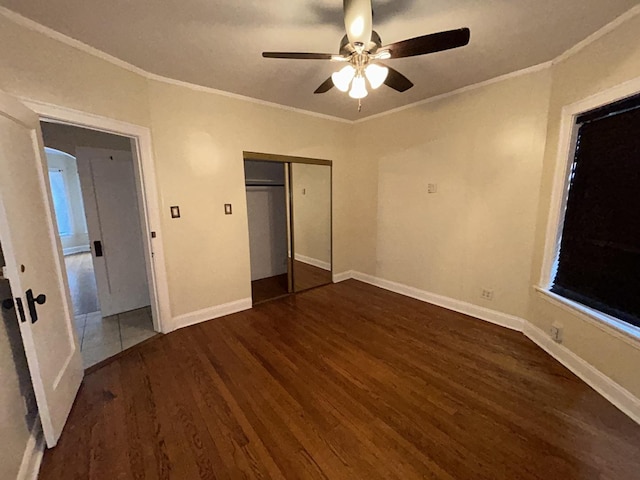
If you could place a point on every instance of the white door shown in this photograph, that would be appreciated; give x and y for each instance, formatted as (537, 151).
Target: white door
(107, 179)
(33, 267)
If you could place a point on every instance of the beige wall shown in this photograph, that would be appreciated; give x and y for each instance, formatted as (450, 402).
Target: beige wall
(492, 151)
(199, 139)
(35, 67)
(610, 61)
(483, 150)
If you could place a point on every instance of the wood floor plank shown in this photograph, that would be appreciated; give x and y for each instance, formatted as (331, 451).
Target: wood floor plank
(146, 459)
(341, 382)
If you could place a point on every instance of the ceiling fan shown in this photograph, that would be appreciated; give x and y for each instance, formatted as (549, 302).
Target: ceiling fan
(361, 50)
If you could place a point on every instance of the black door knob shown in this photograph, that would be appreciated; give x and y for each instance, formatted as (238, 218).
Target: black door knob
(31, 303)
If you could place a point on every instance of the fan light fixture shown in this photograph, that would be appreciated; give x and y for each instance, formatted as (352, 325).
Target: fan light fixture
(376, 74)
(358, 88)
(361, 50)
(351, 79)
(342, 78)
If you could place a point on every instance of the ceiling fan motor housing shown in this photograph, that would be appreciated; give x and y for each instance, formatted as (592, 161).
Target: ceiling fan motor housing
(346, 48)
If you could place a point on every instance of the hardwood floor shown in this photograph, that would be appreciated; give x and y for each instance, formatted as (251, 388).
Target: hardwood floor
(268, 288)
(342, 382)
(308, 276)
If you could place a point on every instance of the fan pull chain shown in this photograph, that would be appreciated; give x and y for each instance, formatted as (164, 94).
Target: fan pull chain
(359, 105)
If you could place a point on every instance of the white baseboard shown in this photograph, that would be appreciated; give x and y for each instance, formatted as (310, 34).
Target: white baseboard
(620, 397)
(73, 250)
(203, 315)
(313, 261)
(604, 385)
(32, 458)
(342, 276)
(503, 319)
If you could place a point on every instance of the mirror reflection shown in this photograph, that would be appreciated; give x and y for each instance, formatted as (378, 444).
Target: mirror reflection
(310, 225)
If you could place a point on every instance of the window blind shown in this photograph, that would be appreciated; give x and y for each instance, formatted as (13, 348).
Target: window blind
(599, 257)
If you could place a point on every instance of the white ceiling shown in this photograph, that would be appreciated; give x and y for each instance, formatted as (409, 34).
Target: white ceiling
(218, 43)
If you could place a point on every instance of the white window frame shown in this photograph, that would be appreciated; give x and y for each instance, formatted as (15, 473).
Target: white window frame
(559, 194)
(67, 200)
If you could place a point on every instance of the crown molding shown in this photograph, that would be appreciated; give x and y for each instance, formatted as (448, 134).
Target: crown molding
(598, 34)
(608, 28)
(88, 49)
(468, 88)
(72, 42)
(236, 96)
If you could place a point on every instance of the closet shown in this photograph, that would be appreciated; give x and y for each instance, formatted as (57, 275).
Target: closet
(289, 216)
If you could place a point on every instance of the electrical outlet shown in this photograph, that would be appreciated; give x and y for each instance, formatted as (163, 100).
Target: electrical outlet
(487, 294)
(432, 188)
(557, 332)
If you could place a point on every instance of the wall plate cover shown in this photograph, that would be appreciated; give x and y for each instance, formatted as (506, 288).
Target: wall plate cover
(175, 212)
(227, 209)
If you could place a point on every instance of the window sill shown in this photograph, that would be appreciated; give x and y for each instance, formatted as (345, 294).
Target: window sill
(625, 331)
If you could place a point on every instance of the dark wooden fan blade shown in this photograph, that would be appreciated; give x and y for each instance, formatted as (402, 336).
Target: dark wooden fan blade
(325, 87)
(298, 56)
(434, 42)
(397, 81)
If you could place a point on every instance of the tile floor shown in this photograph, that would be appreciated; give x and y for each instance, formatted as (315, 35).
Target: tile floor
(101, 338)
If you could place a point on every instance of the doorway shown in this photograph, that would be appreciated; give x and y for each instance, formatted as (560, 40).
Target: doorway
(289, 216)
(97, 208)
(34, 254)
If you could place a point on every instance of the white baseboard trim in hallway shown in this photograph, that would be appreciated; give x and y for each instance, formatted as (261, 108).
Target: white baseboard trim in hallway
(205, 314)
(33, 453)
(74, 250)
(313, 262)
(615, 393)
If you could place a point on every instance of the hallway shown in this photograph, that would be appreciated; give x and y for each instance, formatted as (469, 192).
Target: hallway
(101, 338)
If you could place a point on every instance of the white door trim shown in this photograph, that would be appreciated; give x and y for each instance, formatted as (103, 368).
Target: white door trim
(146, 179)
(564, 159)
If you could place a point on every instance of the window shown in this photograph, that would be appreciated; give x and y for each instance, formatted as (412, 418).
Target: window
(598, 263)
(61, 202)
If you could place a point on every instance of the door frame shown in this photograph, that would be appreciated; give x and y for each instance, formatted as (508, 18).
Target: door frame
(149, 203)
